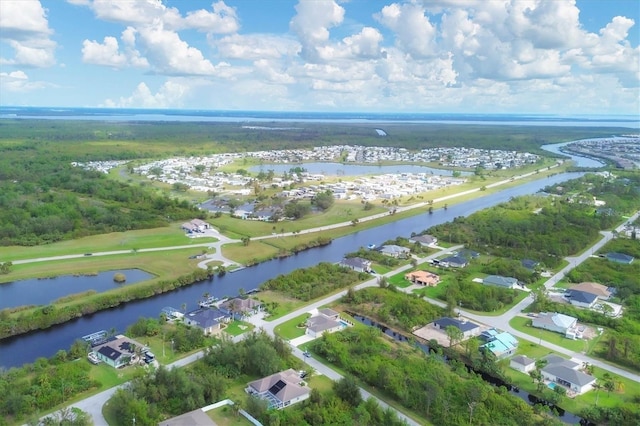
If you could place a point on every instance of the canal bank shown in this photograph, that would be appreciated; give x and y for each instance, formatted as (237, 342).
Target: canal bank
(28, 347)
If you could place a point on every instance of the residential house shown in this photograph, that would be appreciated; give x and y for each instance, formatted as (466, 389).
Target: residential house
(195, 225)
(116, 351)
(358, 264)
(208, 320)
(522, 363)
(327, 321)
(560, 323)
(425, 240)
(566, 373)
(395, 251)
(500, 281)
(468, 328)
(529, 264)
(453, 262)
(281, 389)
(240, 307)
(582, 299)
(192, 418)
(468, 253)
(501, 345)
(619, 258)
(602, 291)
(425, 278)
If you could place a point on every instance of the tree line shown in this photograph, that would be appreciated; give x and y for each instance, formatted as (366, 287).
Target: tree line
(313, 282)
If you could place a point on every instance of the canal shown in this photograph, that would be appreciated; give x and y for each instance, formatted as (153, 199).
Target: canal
(45, 343)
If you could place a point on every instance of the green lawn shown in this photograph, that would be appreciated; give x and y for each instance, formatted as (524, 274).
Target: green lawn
(236, 328)
(283, 304)
(160, 263)
(146, 238)
(225, 416)
(523, 324)
(290, 329)
(380, 269)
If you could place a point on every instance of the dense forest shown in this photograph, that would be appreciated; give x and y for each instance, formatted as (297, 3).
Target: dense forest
(313, 282)
(531, 227)
(166, 393)
(392, 308)
(44, 199)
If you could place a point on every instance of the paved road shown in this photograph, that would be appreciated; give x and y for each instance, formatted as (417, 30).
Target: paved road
(502, 321)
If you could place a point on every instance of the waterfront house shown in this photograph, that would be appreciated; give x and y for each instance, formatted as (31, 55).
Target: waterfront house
(357, 264)
(117, 351)
(241, 307)
(467, 328)
(566, 373)
(208, 320)
(281, 389)
(396, 251)
(425, 240)
(327, 321)
(501, 345)
(522, 363)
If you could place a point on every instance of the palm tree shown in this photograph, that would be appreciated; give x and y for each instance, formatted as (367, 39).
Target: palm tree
(596, 386)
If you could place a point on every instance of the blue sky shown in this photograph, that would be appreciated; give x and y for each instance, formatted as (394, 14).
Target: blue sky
(473, 56)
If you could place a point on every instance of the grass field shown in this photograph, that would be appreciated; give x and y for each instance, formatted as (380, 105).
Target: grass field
(165, 264)
(225, 416)
(289, 330)
(236, 328)
(284, 304)
(523, 324)
(146, 238)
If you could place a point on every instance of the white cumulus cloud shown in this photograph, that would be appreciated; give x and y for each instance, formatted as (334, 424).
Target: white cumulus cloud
(24, 26)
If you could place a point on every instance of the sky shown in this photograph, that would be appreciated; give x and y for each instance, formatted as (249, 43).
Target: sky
(564, 57)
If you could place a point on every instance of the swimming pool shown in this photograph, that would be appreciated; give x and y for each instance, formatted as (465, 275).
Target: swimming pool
(344, 324)
(552, 385)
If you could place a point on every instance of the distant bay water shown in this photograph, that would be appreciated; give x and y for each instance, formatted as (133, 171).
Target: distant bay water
(186, 115)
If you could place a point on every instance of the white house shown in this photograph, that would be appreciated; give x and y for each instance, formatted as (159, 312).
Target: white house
(522, 363)
(395, 251)
(425, 240)
(566, 373)
(281, 389)
(500, 281)
(327, 321)
(358, 264)
(559, 323)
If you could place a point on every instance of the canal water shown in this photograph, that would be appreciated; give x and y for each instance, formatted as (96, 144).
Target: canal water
(47, 290)
(45, 343)
(530, 399)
